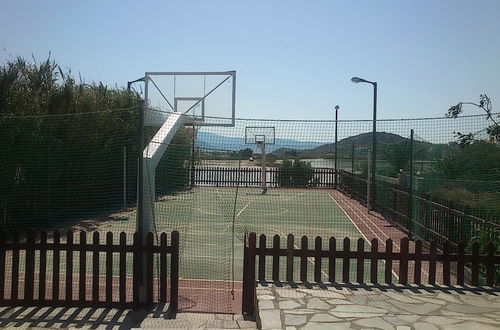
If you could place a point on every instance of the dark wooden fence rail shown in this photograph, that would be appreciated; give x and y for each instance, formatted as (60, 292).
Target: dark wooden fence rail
(424, 219)
(104, 286)
(256, 271)
(252, 176)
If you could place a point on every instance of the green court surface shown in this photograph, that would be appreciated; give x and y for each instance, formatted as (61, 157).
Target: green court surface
(213, 221)
(204, 217)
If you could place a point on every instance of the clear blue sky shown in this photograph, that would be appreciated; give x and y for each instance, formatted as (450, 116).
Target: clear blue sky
(294, 59)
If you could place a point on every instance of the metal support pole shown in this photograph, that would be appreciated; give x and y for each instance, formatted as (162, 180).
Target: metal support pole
(368, 183)
(124, 176)
(374, 144)
(140, 171)
(262, 146)
(411, 187)
(336, 154)
(192, 157)
(352, 158)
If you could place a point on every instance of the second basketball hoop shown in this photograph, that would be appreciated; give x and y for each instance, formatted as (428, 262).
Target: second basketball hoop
(261, 136)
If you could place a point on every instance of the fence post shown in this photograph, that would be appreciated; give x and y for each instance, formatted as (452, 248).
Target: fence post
(174, 273)
(352, 157)
(403, 262)
(490, 264)
(124, 176)
(250, 287)
(69, 266)
(2, 265)
(83, 267)
(289, 257)
(368, 183)
(95, 267)
(410, 207)
(29, 278)
(109, 267)
(244, 309)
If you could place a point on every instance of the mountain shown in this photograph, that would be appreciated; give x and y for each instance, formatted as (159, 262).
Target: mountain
(308, 149)
(216, 142)
(362, 143)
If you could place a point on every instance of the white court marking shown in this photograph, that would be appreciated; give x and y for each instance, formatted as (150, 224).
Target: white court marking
(378, 237)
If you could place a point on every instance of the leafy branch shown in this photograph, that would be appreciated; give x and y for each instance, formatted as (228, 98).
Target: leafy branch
(485, 104)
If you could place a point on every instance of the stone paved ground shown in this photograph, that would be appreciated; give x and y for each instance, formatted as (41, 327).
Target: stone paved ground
(370, 307)
(101, 318)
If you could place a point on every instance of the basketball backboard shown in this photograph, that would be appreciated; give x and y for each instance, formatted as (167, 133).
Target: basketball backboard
(257, 135)
(207, 97)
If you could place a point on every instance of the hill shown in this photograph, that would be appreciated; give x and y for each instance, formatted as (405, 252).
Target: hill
(216, 142)
(362, 143)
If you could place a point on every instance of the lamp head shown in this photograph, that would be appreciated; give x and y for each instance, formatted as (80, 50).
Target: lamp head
(337, 107)
(357, 80)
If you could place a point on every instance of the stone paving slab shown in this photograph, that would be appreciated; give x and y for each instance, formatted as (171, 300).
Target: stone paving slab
(377, 307)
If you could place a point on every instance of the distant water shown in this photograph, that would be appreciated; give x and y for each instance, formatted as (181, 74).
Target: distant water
(343, 164)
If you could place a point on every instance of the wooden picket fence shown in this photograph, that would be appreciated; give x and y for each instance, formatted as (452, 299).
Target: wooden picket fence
(64, 280)
(256, 271)
(252, 177)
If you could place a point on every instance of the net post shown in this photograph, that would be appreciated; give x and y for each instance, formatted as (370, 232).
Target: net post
(352, 157)
(140, 170)
(368, 183)
(410, 209)
(262, 146)
(336, 149)
(124, 176)
(140, 205)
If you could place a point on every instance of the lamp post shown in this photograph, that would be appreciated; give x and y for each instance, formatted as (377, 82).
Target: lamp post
(374, 133)
(336, 168)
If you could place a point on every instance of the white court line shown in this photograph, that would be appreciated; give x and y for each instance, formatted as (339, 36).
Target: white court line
(237, 215)
(292, 197)
(378, 237)
(355, 225)
(310, 259)
(394, 243)
(243, 209)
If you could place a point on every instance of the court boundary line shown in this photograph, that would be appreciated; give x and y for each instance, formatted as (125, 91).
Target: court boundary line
(368, 241)
(310, 259)
(352, 206)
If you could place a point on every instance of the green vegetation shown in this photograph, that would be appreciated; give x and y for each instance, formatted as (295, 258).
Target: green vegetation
(62, 146)
(295, 174)
(478, 160)
(172, 173)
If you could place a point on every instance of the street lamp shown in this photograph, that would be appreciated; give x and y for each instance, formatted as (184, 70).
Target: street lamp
(336, 169)
(374, 137)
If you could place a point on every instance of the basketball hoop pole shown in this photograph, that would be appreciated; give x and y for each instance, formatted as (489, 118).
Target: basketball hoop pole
(262, 146)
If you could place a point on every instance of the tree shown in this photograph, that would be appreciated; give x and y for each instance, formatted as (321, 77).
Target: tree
(295, 174)
(476, 160)
(246, 153)
(484, 104)
(399, 155)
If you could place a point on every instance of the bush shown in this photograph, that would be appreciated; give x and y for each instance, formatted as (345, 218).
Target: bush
(485, 205)
(294, 174)
(61, 151)
(172, 173)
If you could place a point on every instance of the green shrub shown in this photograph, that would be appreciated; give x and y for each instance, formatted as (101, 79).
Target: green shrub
(61, 151)
(295, 174)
